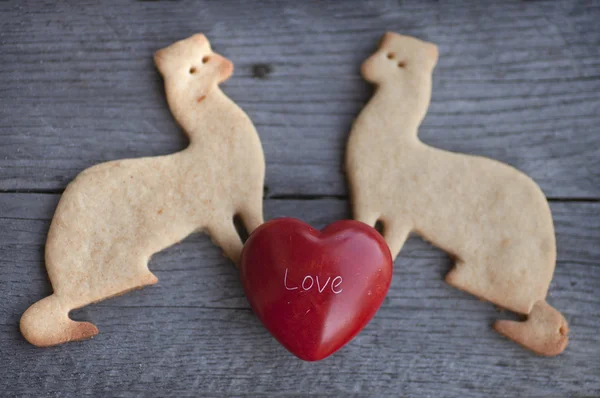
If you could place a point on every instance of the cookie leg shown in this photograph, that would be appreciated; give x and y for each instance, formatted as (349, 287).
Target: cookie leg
(395, 234)
(471, 277)
(461, 278)
(47, 323)
(226, 237)
(363, 214)
(545, 331)
(252, 216)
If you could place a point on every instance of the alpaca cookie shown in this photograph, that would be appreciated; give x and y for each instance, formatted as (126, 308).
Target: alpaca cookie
(114, 216)
(492, 218)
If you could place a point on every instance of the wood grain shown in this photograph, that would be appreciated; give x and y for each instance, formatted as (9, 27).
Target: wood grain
(194, 332)
(519, 82)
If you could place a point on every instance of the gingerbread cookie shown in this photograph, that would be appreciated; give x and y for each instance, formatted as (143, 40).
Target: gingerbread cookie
(492, 218)
(114, 216)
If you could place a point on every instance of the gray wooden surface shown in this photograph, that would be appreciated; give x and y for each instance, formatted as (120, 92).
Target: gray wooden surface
(516, 81)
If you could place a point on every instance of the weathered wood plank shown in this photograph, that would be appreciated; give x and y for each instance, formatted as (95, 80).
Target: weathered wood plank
(516, 81)
(194, 333)
(519, 82)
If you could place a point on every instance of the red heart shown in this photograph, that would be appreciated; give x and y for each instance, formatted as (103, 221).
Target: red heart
(315, 290)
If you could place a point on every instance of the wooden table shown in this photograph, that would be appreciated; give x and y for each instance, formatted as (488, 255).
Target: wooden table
(516, 81)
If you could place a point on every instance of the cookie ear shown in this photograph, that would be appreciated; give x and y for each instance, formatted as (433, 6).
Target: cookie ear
(160, 60)
(387, 38)
(200, 39)
(432, 54)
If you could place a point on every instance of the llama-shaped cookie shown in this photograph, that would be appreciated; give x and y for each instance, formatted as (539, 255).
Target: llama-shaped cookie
(492, 218)
(114, 216)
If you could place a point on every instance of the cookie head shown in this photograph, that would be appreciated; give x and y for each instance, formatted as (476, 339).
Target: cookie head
(192, 61)
(398, 56)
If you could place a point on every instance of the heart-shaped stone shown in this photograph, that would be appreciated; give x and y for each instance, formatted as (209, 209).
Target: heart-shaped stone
(315, 290)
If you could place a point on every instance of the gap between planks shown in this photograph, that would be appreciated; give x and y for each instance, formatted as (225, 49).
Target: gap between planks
(283, 196)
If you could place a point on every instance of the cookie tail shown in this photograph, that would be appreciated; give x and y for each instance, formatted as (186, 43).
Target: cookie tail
(545, 331)
(47, 323)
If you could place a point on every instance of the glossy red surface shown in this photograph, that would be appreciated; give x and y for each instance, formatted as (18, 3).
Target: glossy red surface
(315, 290)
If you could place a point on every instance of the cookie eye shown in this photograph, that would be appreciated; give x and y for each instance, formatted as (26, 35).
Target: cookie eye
(401, 64)
(192, 70)
(391, 55)
(205, 59)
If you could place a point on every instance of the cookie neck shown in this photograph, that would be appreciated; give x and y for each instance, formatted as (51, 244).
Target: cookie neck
(193, 112)
(402, 105)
